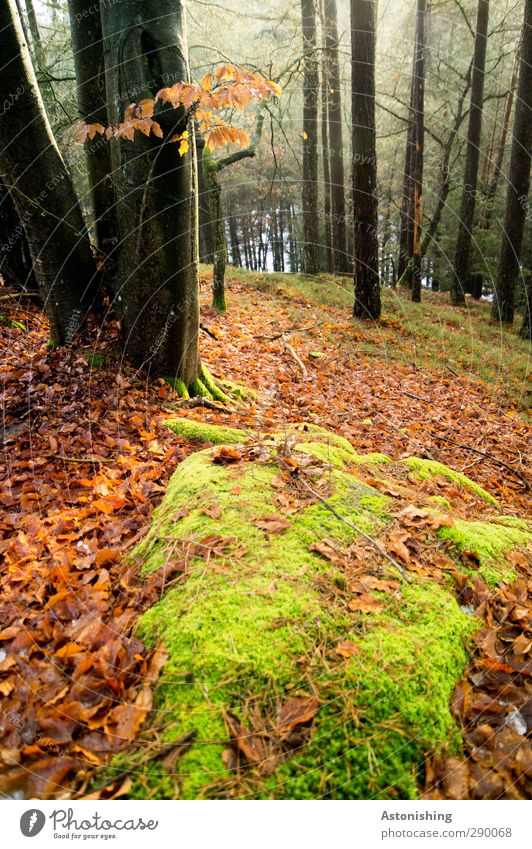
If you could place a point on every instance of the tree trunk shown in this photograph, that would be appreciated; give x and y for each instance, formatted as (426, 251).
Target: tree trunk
(365, 202)
(501, 147)
(206, 247)
(325, 152)
(310, 139)
(38, 181)
(518, 183)
(406, 231)
(218, 230)
(417, 153)
(334, 103)
(526, 327)
(87, 45)
(156, 192)
(467, 208)
(15, 258)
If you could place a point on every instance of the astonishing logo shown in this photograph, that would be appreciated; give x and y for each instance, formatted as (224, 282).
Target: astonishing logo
(32, 822)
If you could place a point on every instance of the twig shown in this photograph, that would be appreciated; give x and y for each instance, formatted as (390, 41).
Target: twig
(209, 332)
(200, 401)
(496, 460)
(78, 459)
(183, 742)
(14, 297)
(339, 516)
(294, 356)
(290, 330)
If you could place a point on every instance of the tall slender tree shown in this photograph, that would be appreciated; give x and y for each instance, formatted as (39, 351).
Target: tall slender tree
(325, 147)
(365, 201)
(40, 186)
(310, 139)
(156, 192)
(335, 121)
(418, 151)
(469, 190)
(518, 183)
(87, 46)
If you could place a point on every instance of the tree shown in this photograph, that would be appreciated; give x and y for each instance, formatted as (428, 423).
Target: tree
(325, 148)
(211, 169)
(87, 46)
(156, 192)
(335, 120)
(469, 189)
(15, 259)
(417, 152)
(310, 139)
(518, 183)
(40, 186)
(365, 202)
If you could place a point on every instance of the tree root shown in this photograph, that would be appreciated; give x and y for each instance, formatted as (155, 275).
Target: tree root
(205, 386)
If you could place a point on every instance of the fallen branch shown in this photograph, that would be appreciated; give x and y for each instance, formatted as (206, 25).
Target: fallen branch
(349, 524)
(79, 459)
(496, 460)
(209, 332)
(199, 401)
(289, 330)
(294, 356)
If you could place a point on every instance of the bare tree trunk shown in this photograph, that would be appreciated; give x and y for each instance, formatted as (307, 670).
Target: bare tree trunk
(325, 146)
(39, 184)
(334, 102)
(15, 259)
(156, 191)
(365, 202)
(501, 147)
(405, 227)
(236, 258)
(310, 139)
(467, 208)
(87, 45)
(419, 139)
(518, 183)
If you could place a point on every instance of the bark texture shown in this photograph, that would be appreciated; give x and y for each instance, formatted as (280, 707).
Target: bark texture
(87, 46)
(310, 139)
(474, 132)
(365, 201)
(334, 105)
(518, 183)
(156, 191)
(40, 186)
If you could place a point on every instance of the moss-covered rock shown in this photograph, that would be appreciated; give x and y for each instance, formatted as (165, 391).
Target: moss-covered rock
(261, 614)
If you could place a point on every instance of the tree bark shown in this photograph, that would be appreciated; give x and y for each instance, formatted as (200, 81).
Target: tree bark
(214, 190)
(40, 186)
(310, 139)
(206, 247)
(325, 145)
(365, 202)
(467, 207)
(87, 45)
(156, 191)
(526, 327)
(334, 103)
(417, 153)
(491, 190)
(518, 183)
(15, 259)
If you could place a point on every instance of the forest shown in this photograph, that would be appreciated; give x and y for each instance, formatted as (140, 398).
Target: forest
(266, 314)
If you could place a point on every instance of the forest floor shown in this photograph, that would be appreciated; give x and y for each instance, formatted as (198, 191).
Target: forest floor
(87, 458)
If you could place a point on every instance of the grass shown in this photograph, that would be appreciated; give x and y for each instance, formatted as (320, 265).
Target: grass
(433, 334)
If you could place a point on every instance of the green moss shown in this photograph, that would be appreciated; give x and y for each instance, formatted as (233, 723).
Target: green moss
(238, 390)
(261, 619)
(439, 501)
(190, 429)
(490, 541)
(95, 359)
(212, 386)
(426, 469)
(179, 386)
(198, 389)
(374, 459)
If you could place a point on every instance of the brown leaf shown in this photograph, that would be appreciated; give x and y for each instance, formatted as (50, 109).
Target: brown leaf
(365, 603)
(214, 511)
(328, 549)
(296, 712)
(226, 454)
(347, 649)
(272, 524)
(248, 743)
